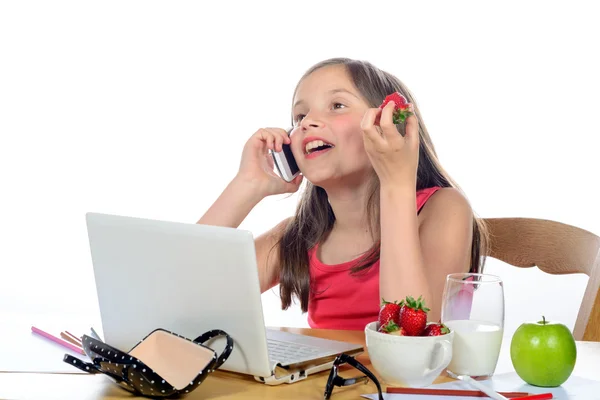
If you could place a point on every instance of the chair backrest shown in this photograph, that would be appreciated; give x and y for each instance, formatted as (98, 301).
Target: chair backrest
(555, 248)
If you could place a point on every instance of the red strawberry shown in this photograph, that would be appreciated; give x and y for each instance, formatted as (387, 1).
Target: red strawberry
(402, 108)
(389, 312)
(413, 316)
(435, 329)
(398, 99)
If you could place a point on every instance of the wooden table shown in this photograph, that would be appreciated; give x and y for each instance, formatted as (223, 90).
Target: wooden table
(225, 385)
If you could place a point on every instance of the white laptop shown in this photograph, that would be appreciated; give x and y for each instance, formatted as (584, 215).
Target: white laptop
(190, 278)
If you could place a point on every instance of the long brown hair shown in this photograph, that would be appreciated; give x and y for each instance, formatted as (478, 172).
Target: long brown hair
(314, 216)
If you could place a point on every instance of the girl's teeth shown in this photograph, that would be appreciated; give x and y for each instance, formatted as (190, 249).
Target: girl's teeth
(314, 144)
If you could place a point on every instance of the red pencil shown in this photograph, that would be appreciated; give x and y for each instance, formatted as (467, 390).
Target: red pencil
(467, 393)
(541, 396)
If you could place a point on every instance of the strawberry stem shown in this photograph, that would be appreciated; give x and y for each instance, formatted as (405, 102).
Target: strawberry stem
(401, 115)
(384, 302)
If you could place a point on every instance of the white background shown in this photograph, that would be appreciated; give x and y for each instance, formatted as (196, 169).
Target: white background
(141, 108)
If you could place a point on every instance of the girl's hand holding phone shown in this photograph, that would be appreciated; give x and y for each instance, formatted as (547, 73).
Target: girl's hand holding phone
(257, 168)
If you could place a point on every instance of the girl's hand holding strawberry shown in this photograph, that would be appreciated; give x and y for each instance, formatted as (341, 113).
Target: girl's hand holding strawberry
(256, 166)
(393, 156)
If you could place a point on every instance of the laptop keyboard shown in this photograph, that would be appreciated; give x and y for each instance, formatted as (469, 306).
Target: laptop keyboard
(287, 353)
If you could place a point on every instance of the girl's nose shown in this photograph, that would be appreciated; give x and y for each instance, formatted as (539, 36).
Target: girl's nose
(311, 121)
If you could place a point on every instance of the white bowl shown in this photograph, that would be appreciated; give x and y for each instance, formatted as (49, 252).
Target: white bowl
(408, 360)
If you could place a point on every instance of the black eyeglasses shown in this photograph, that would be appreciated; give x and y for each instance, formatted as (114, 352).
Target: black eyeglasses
(336, 380)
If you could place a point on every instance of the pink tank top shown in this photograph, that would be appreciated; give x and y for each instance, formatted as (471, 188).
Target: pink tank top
(339, 300)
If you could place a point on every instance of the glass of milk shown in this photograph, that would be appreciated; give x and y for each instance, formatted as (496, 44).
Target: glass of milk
(473, 307)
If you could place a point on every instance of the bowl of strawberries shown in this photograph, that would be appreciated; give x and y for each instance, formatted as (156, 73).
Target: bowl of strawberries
(404, 348)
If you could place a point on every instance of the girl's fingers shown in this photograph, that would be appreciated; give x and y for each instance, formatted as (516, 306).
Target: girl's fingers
(278, 142)
(270, 141)
(278, 132)
(280, 137)
(412, 129)
(263, 135)
(368, 120)
(390, 132)
(368, 126)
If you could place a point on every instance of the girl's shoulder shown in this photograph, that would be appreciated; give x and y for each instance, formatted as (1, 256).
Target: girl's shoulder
(443, 200)
(424, 194)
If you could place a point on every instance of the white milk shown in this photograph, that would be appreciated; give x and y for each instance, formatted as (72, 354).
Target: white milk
(476, 347)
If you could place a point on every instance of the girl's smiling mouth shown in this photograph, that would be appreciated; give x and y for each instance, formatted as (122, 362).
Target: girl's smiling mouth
(314, 146)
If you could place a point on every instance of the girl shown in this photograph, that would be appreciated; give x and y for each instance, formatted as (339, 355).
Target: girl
(379, 217)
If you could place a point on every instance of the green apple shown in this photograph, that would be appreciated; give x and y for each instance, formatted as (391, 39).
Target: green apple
(543, 353)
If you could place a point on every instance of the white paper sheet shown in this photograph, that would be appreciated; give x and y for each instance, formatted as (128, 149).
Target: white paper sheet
(574, 388)
(23, 351)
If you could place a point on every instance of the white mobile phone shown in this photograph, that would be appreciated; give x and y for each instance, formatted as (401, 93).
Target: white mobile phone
(286, 163)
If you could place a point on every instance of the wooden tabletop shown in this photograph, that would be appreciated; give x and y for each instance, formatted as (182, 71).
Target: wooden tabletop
(226, 385)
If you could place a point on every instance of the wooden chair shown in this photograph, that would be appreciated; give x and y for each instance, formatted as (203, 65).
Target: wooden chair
(555, 248)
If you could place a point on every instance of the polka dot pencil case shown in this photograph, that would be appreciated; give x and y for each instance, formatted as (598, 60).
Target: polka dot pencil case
(163, 364)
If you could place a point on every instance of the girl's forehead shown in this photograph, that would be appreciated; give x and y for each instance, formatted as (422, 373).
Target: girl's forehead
(324, 80)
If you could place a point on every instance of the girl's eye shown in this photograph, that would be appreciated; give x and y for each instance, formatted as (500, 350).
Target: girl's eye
(335, 105)
(298, 118)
